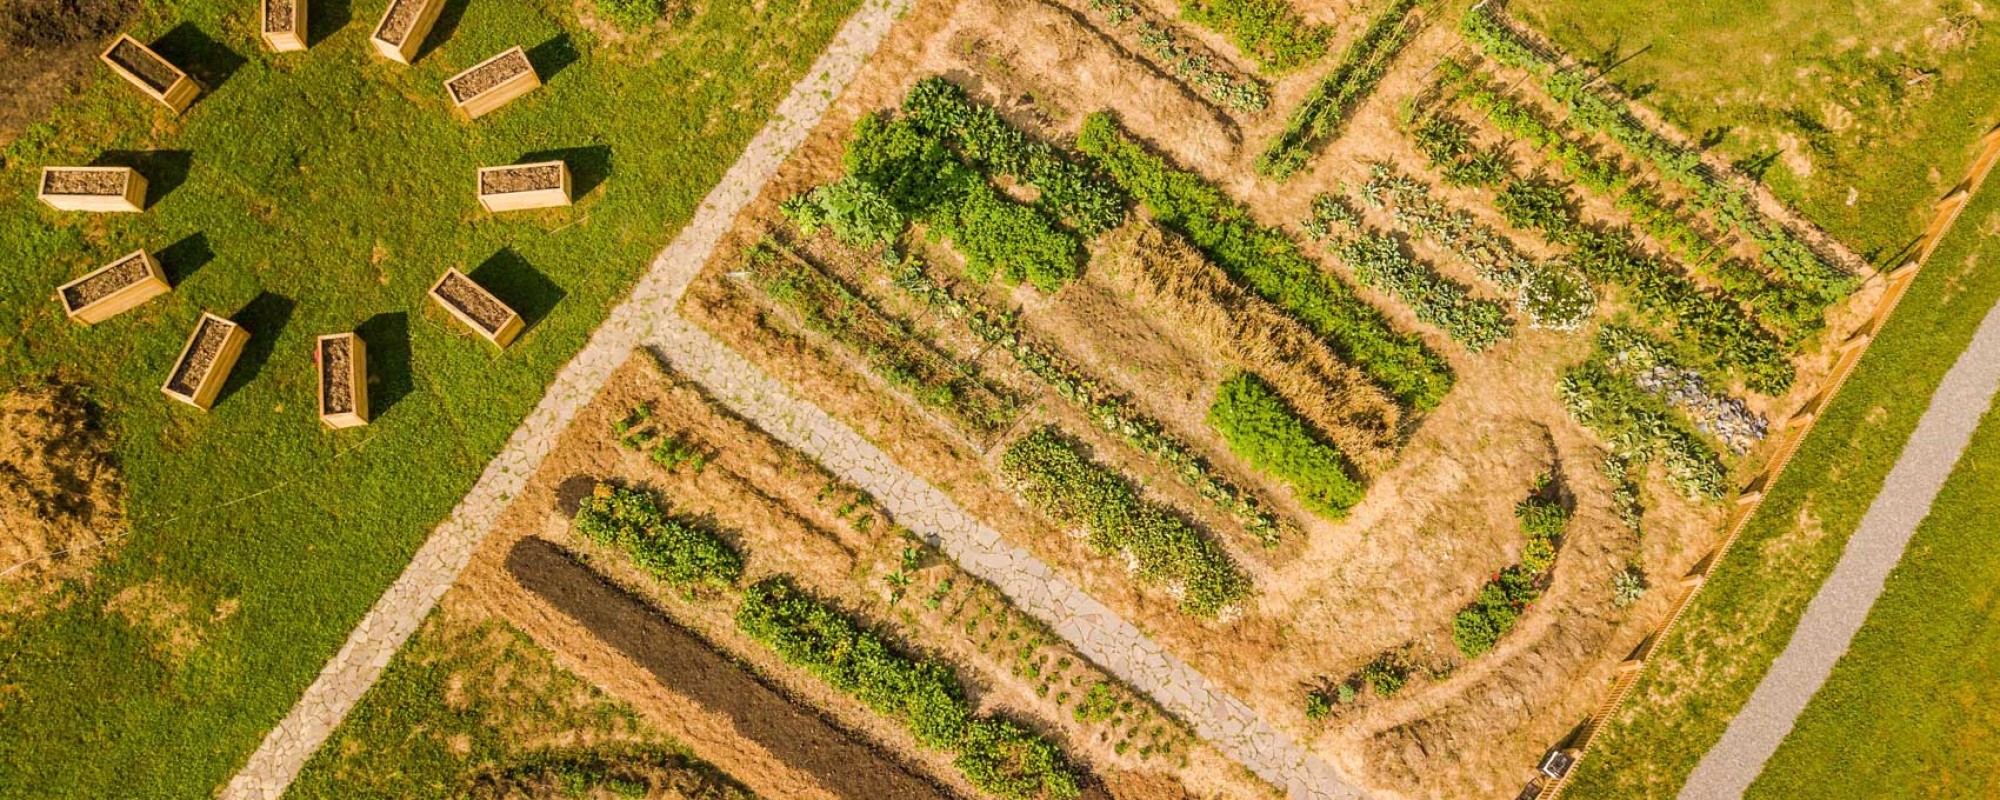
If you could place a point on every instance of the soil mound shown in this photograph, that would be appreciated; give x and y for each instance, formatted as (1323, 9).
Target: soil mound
(60, 492)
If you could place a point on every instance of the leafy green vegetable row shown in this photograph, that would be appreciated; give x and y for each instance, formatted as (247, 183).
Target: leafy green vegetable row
(1270, 31)
(1262, 428)
(1480, 625)
(1381, 261)
(1640, 425)
(1239, 93)
(674, 551)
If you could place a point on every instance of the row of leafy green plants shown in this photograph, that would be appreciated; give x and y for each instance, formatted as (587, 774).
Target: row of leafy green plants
(1270, 31)
(1593, 109)
(1219, 84)
(1264, 430)
(1479, 626)
(996, 754)
(1320, 116)
(1383, 262)
(1058, 478)
(1640, 426)
(936, 380)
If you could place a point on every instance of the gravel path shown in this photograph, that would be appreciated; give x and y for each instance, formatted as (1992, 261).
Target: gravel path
(1096, 631)
(345, 678)
(1842, 604)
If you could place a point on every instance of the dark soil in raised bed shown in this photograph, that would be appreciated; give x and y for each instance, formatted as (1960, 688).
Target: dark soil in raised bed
(685, 664)
(337, 359)
(489, 75)
(475, 302)
(520, 179)
(279, 16)
(103, 284)
(150, 69)
(207, 345)
(84, 182)
(401, 17)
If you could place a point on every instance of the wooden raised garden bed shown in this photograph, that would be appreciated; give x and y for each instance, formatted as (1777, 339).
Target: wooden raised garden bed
(285, 25)
(490, 84)
(205, 362)
(476, 307)
(343, 380)
(92, 188)
(404, 25)
(142, 67)
(114, 288)
(543, 184)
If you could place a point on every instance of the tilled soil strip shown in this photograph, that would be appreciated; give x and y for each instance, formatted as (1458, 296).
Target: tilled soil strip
(475, 302)
(152, 70)
(396, 24)
(103, 284)
(207, 344)
(520, 179)
(489, 75)
(339, 385)
(686, 665)
(94, 182)
(278, 16)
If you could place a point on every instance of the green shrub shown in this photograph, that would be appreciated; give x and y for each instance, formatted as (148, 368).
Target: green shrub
(857, 212)
(1628, 587)
(1318, 705)
(1068, 190)
(1386, 674)
(1479, 626)
(1271, 264)
(632, 14)
(1266, 432)
(1543, 520)
(673, 551)
(1056, 477)
(1270, 31)
(1326, 108)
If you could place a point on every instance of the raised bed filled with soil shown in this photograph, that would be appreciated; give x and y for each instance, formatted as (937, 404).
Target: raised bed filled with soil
(142, 67)
(516, 186)
(205, 362)
(285, 25)
(92, 188)
(114, 288)
(404, 25)
(476, 307)
(343, 380)
(490, 84)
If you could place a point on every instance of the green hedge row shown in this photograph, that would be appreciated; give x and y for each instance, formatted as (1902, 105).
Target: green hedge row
(1640, 425)
(673, 551)
(1270, 31)
(1262, 428)
(1270, 263)
(1382, 262)
(997, 755)
(1087, 202)
(1198, 70)
(1320, 116)
(1055, 475)
(1105, 406)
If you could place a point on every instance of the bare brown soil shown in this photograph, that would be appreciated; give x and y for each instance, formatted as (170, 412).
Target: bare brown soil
(208, 342)
(520, 179)
(103, 284)
(652, 773)
(280, 16)
(150, 68)
(46, 46)
(475, 301)
(402, 15)
(488, 75)
(91, 182)
(337, 359)
(61, 494)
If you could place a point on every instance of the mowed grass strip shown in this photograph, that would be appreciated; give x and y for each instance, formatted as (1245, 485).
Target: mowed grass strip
(312, 193)
(1917, 684)
(1704, 673)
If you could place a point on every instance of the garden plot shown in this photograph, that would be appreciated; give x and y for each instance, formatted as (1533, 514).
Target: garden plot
(1349, 399)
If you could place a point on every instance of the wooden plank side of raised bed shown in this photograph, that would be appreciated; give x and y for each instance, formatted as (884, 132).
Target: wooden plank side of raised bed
(498, 94)
(211, 381)
(281, 41)
(357, 383)
(152, 284)
(554, 197)
(405, 51)
(176, 95)
(507, 330)
(132, 199)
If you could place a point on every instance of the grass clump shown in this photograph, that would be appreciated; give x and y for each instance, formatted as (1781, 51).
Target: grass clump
(632, 15)
(1266, 432)
(1270, 31)
(673, 551)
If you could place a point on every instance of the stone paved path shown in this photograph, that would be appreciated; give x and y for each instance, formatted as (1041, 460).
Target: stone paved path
(1842, 604)
(443, 556)
(1097, 632)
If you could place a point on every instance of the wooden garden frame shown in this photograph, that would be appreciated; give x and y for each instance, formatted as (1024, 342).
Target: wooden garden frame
(356, 412)
(402, 51)
(501, 334)
(545, 197)
(283, 40)
(132, 197)
(150, 283)
(474, 103)
(200, 390)
(179, 89)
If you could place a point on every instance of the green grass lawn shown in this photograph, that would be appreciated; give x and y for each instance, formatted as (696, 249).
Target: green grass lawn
(312, 193)
(1706, 670)
(1919, 683)
(1885, 100)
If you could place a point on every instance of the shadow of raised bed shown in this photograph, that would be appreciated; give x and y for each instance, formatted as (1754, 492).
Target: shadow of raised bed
(265, 317)
(211, 63)
(164, 170)
(518, 284)
(389, 376)
(589, 165)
